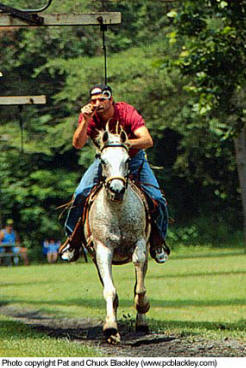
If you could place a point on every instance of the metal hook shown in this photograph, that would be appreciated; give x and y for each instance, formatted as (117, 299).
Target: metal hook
(7, 8)
(37, 10)
(28, 15)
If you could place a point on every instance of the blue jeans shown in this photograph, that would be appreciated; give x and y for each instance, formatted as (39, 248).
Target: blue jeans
(13, 249)
(145, 175)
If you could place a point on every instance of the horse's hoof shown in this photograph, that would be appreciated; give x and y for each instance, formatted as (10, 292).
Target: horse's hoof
(142, 328)
(113, 339)
(112, 336)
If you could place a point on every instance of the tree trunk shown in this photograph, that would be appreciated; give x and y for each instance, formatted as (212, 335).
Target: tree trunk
(240, 148)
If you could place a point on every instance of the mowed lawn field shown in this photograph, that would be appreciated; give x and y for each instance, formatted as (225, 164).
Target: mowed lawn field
(200, 291)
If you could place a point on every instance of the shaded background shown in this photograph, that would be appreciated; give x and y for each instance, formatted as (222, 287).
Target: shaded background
(147, 68)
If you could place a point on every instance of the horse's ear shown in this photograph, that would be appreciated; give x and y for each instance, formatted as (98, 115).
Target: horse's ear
(123, 136)
(117, 127)
(105, 136)
(97, 139)
(107, 127)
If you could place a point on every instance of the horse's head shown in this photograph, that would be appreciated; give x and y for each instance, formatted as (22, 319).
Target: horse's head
(115, 161)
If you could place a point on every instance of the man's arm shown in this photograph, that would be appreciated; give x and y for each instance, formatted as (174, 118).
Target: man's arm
(143, 139)
(80, 135)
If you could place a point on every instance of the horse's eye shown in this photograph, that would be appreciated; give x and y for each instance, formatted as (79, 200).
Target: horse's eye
(103, 162)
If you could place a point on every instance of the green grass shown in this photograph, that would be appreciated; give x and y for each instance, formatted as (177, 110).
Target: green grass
(18, 340)
(199, 292)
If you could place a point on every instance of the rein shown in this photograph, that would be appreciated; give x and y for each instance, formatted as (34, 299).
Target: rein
(115, 145)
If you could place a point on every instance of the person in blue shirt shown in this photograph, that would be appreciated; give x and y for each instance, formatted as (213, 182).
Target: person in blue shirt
(9, 236)
(50, 249)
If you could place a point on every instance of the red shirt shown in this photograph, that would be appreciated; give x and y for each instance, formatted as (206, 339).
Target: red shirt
(128, 117)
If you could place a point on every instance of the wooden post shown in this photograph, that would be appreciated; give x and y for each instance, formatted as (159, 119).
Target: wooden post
(23, 100)
(107, 18)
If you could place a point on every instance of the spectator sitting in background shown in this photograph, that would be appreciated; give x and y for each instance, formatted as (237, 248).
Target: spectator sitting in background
(50, 249)
(45, 247)
(9, 236)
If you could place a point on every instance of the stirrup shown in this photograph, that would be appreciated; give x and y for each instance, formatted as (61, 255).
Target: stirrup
(64, 246)
(160, 255)
(68, 253)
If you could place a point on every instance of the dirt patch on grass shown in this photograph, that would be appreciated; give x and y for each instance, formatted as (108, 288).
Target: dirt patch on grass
(89, 331)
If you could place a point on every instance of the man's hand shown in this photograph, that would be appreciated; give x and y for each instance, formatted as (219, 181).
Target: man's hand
(88, 111)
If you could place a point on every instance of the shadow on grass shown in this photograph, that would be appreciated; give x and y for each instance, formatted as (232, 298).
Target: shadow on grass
(15, 330)
(26, 283)
(78, 329)
(211, 254)
(179, 303)
(128, 303)
(198, 325)
(37, 327)
(195, 274)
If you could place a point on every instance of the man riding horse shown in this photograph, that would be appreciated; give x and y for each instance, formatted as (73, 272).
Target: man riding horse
(94, 116)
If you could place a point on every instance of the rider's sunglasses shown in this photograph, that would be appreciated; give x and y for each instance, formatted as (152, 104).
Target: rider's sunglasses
(101, 99)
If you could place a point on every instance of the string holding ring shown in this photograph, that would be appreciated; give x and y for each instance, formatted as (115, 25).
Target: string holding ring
(103, 28)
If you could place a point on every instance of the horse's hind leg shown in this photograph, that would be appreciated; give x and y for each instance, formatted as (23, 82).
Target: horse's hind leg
(142, 305)
(104, 257)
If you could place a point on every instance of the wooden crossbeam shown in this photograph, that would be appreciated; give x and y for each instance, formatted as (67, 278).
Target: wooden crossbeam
(108, 18)
(20, 101)
(23, 100)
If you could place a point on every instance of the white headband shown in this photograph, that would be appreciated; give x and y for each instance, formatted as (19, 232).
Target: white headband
(96, 91)
(106, 93)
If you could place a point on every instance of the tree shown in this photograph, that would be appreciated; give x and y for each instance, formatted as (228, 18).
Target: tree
(212, 34)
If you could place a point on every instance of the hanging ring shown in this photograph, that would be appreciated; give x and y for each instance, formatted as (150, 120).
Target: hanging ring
(37, 10)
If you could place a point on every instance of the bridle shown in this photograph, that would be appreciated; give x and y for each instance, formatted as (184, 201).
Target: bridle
(107, 181)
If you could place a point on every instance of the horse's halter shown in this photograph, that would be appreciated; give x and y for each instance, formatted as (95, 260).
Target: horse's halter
(108, 180)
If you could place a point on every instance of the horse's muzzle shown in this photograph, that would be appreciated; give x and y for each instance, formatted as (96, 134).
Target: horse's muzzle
(116, 188)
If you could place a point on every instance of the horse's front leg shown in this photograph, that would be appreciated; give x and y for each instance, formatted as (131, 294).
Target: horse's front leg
(140, 260)
(104, 257)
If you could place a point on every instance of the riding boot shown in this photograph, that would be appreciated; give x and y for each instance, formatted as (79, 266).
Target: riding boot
(72, 248)
(159, 250)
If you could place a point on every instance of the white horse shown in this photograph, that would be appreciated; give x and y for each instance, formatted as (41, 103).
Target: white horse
(117, 225)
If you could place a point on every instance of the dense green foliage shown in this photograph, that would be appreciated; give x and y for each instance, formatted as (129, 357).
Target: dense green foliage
(212, 54)
(184, 107)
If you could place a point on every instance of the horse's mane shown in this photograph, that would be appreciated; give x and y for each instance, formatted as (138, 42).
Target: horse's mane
(115, 134)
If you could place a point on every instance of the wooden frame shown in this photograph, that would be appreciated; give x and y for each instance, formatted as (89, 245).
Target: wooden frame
(107, 18)
(23, 100)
